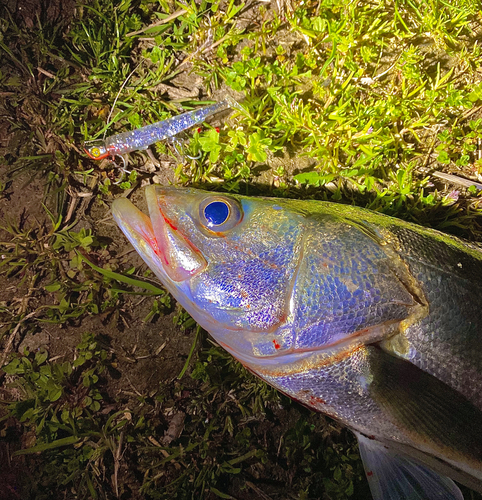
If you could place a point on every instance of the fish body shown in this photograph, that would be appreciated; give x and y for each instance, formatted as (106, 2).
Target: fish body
(142, 138)
(373, 321)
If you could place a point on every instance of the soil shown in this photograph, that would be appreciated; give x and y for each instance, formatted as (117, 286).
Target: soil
(135, 341)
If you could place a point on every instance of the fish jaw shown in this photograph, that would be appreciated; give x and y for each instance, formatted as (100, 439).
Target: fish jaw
(162, 247)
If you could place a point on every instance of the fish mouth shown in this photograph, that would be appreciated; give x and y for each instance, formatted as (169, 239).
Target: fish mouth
(157, 239)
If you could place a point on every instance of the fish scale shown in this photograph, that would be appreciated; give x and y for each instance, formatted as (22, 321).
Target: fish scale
(436, 343)
(338, 387)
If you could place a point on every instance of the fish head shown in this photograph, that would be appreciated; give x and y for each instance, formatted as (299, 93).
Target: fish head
(230, 261)
(268, 278)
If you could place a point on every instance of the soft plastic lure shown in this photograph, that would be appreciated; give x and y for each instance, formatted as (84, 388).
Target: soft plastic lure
(142, 138)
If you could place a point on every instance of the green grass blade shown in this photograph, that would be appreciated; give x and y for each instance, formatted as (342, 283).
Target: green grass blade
(49, 446)
(122, 278)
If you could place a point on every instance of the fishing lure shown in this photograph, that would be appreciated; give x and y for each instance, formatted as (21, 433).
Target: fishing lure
(142, 138)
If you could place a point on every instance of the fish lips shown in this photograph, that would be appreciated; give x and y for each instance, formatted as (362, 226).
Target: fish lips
(157, 239)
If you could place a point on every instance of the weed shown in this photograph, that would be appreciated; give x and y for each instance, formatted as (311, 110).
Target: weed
(60, 403)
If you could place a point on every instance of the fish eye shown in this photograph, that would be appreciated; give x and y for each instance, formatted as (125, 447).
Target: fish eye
(216, 213)
(219, 213)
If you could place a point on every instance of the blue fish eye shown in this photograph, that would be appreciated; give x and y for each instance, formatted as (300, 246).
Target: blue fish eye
(220, 213)
(216, 213)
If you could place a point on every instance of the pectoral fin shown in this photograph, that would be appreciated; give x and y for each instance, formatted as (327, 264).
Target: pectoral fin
(439, 421)
(394, 476)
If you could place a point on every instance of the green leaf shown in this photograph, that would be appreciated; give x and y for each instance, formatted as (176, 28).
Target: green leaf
(257, 147)
(220, 494)
(53, 287)
(210, 144)
(86, 242)
(41, 356)
(122, 278)
(14, 367)
(54, 394)
(443, 157)
(310, 178)
(476, 94)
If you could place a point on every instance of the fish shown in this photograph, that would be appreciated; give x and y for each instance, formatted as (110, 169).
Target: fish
(373, 321)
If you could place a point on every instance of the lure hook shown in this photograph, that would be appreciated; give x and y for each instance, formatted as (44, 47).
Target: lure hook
(123, 169)
(182, 152)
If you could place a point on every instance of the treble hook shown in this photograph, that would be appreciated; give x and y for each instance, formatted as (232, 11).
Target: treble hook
(177, 142)
(123, 169)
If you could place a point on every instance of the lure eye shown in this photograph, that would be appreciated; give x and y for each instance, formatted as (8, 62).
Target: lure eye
(96, 150)
(219, 214)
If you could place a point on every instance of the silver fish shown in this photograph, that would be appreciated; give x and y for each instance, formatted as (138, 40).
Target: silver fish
(371, 320)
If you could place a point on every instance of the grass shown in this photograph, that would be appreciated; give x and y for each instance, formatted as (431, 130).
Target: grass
(346, 101)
